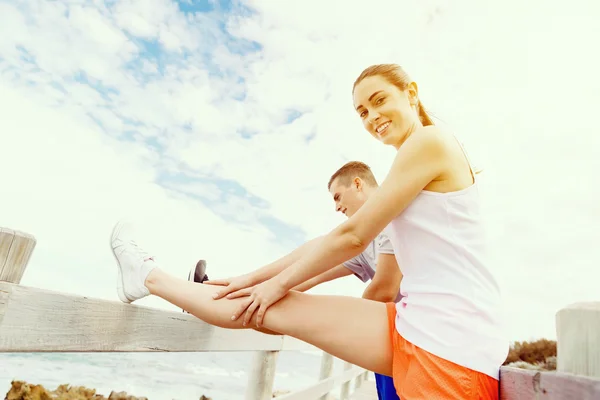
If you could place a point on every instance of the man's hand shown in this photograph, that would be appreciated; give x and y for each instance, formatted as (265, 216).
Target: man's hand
(260, 297)
(231, 285)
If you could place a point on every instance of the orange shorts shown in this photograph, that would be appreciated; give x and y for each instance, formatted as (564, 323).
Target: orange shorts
(421, 375)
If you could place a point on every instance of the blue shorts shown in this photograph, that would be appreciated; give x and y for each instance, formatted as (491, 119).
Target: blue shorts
(385, 387)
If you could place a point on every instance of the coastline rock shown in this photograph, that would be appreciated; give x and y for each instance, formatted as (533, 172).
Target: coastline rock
(26, 391)
(21, 390)
(548, 365)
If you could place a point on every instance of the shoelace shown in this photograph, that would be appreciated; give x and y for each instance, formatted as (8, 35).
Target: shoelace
(143, 254)
(138, 251)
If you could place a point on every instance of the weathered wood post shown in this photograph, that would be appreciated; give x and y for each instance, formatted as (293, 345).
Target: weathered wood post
(262, 376)
(15, 251)
(578, 339)
(358, 381)
(345, 392)
(326, 370)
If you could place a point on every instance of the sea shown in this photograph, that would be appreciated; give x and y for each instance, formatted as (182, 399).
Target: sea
(160, 376)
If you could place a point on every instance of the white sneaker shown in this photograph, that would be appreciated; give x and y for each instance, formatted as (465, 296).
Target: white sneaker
(134, 263)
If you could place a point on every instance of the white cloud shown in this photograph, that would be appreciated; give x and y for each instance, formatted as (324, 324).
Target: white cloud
(516, 81)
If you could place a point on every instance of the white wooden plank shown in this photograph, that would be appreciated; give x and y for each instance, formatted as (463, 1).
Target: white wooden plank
(35, 320)
(311, 392)
(578, 339)
(326, 370)
(262, 376)
(521, 384)
(6, 238)
(345, 392)
(368, 391)
(324, 386)
(15, 250)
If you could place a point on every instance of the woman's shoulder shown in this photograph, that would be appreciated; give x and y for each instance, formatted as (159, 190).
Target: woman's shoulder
(436, 136)
(429, 144)
(443, 141)
(447, 151)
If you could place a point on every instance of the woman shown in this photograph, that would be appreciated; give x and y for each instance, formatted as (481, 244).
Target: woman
(444, 339)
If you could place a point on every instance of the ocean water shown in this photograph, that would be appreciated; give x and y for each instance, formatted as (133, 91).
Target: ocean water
(158, 376)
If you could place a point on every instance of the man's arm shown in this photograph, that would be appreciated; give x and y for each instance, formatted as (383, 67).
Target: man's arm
(272, 269)
(337, 272)
(267, 272)
(386, 283)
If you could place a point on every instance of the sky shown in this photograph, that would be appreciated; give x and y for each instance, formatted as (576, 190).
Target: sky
(215, 125)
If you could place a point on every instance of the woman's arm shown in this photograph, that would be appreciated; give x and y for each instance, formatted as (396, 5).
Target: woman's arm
(272, 269)
(231, 285)
(420, 160)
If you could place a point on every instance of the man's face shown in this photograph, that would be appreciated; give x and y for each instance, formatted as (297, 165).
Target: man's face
(348, 198)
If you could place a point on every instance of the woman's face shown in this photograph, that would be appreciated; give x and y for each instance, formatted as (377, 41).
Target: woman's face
(388, 113)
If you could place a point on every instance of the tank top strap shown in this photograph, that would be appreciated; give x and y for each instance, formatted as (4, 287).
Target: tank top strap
(466, 154)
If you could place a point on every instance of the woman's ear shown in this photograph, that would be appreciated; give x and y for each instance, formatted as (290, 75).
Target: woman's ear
(412, 91)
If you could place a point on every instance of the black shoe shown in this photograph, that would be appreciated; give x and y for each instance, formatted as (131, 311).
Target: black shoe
(198, 273)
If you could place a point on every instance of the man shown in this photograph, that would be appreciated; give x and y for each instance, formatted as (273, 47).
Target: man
(350, 187)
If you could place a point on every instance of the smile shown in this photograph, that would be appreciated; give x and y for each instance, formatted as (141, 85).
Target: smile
(381, 129)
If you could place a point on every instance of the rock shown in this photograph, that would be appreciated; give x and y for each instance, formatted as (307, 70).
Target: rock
(551, 363)
(123, 396)
(25, 391)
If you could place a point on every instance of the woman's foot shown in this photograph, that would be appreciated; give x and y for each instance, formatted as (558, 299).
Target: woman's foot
(134, 263)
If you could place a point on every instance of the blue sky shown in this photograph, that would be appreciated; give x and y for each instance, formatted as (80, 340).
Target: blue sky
(218, 124)
(209, 19)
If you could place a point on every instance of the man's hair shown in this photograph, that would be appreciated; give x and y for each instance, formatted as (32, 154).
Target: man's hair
(351, 170)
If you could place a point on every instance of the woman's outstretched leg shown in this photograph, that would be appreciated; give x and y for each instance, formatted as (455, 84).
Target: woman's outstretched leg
(352, 329)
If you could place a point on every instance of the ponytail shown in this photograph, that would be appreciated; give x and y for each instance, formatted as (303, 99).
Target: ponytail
(423, 116)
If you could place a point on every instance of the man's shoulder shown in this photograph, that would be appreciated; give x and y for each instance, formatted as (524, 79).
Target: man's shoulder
(383, 244)
(360, 266)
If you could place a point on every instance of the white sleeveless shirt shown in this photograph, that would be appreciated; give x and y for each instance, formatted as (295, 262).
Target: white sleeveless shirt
(451, 303)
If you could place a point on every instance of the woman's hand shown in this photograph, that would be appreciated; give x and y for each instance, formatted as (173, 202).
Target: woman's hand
(231, 286)
(260, 297)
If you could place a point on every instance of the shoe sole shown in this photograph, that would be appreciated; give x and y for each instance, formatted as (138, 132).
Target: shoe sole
(200, 264)
(120, 292)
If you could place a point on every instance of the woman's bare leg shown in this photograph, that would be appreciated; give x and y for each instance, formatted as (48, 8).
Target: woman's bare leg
(352, 329)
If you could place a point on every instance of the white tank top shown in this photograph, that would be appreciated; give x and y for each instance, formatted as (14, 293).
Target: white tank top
(451, 303)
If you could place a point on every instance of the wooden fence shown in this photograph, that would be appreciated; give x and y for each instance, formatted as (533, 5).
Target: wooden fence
(36, 320)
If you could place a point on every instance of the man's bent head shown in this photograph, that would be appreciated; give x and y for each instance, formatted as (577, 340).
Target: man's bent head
(350, 186)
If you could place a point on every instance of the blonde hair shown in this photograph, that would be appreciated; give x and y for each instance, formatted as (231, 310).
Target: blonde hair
(395, 75)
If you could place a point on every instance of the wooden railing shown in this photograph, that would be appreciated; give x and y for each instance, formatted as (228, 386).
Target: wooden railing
(36, 320)
(578, 361)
